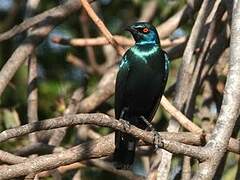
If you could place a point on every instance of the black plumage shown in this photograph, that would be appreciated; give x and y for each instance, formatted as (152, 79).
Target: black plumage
(140, 85)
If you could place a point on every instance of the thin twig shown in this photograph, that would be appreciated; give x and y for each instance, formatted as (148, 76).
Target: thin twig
(90, 51)
(101, 26)
(229, 113)
(99, 41)
(59, 134)
(183, 80)
(68, 7)
(181, 17)
(49, 20)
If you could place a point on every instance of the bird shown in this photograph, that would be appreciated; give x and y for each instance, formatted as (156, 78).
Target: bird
(140, 84)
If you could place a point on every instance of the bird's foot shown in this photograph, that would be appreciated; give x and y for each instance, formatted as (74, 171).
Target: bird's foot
(157, 140)
(149, 125)
(122, 166)
(126, 124)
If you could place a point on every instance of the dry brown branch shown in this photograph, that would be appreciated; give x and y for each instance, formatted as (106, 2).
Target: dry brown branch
(59, 134)
(180, 117)
(186, 169)
(49, 19)
(217, 14)
(93, 149)
(79, 63)
(110, 168)
(181, 17)
(63, 169)
(183, 80)
(194, 85)
(101, 26)
(229, 113)
(37, 148)
(98, 148)
(57, 13)
(32, 109)
(105, 90)
(186, 67)
(13, 159)
(148, 11)
(90, 51)
(100, 120)
(96, 163)
(99, 41)
(9, 158)
(32, 93)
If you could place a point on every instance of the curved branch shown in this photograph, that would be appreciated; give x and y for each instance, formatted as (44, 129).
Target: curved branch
(121, 40)
(60, 11)
(49, 20)
(229, 112)
(172, 23)
(101, 26)
(105, 121)
(93, 149)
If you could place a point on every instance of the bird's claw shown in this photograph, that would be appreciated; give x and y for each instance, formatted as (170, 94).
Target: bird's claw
(157, 140)
(125, 124)
(147, 123)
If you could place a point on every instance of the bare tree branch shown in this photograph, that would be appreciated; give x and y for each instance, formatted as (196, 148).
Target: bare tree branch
(99, 41)
(96, 163)
(183, 80)
(169, 26)
(101, 120)
(59, 12)
(49, 20)
(102, 27)
(230, 106)
(93, 149)
(9, 158)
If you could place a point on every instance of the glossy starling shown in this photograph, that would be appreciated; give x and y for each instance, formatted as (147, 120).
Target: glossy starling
(140, 84)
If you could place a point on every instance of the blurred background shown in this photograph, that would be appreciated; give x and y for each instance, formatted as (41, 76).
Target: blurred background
(64, 68)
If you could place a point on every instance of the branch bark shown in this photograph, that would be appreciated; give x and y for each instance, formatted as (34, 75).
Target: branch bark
(121, 40)
(229, 113)
(45, 23)
(183, 80)
(102, 27)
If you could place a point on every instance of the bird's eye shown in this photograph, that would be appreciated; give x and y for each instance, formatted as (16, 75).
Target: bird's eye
(145, 30)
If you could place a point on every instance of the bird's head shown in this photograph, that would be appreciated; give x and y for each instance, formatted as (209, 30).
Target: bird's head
(144, 33)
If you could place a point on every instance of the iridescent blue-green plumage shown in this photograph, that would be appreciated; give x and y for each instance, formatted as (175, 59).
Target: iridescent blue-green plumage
(140, 85)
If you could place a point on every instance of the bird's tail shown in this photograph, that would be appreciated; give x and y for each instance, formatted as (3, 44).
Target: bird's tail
(124, 153)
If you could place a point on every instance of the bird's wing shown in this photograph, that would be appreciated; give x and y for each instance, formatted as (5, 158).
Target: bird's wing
(167, 61)
(162, 87)
(121, 84)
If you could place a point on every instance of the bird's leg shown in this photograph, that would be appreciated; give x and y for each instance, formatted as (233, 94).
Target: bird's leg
(149, 125)
(157, 138)
(125, 123)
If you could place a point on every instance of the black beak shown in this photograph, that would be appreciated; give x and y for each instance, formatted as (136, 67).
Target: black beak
(131, 30)
(134, 32)
(128, 28)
